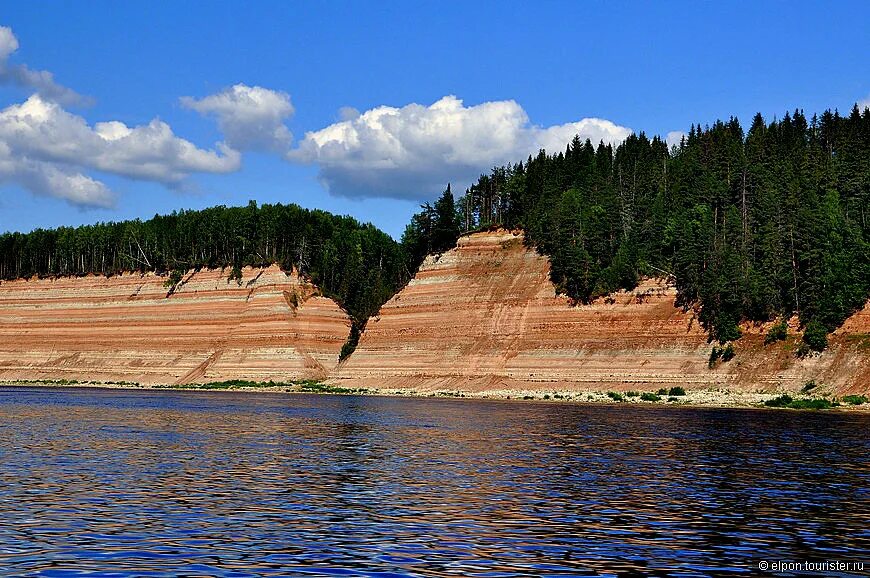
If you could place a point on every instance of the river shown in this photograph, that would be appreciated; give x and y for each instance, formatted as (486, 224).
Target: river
(125, 482)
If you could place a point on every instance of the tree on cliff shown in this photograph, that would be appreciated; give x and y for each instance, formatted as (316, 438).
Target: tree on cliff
(445, 230)
(434, 229)
(417, 238)
(750, 226)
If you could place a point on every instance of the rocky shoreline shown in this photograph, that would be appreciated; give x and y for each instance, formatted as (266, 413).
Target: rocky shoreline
(705, 398)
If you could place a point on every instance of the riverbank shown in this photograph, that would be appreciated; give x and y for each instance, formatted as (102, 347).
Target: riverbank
(674, 397)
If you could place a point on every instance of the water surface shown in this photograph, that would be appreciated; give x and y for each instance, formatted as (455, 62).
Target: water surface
(234, 484)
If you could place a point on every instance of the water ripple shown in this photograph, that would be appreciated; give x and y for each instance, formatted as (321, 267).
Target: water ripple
(213, 483)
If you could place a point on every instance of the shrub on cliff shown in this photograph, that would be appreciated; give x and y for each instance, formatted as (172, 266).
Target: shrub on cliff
(778, 332)
(352, 341)
(235, 275)
(816, 336)
(724, 353)
(173, 280)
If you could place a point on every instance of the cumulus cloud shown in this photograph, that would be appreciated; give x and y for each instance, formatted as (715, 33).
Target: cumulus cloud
(865, 103)
(411, 152)
(43, 130)
(41, 81)
(49, 151)
(54, 181)
(250, 117)
(674, 138)
(45, 148)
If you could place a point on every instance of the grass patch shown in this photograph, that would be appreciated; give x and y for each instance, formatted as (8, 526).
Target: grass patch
(854, 399)
(649, 396)
(786, 401)
(62, 382)
(615, 396)
(230, 384)
(301, 385)
(632, 394)
(676, 391)
(311, 386)
(48, 381)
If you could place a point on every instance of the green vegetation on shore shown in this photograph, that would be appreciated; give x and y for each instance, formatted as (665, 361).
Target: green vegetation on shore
(235, 384)
(786, 401)
(674, 395)
(301, 385)
(63, 382)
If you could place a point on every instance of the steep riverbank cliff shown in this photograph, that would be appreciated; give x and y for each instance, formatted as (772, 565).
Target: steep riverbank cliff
(485, 317)
(268, 326)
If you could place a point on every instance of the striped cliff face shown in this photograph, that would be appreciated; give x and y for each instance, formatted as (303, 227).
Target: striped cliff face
(270, 326)
(485, 317)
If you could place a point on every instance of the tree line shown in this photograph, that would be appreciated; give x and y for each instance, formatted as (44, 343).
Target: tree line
(356, 264)
(750, 225)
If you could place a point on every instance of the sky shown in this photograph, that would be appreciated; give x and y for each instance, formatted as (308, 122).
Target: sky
(115, 110)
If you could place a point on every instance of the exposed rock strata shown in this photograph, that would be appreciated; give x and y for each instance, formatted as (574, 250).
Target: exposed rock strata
(485, 316)
(272, 326)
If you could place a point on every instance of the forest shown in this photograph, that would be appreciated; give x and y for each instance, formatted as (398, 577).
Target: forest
(754, 225)
(356, 264)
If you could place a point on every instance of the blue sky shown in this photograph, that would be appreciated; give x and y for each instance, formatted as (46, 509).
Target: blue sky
(523, 75)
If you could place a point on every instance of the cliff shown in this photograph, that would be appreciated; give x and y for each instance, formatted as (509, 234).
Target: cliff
(271, 326)
(485, 317)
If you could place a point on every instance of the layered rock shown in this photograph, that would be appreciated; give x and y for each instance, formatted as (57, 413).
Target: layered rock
(269, 326)
(485, 316)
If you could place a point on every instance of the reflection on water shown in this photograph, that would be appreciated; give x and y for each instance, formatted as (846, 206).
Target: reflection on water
(217, 483)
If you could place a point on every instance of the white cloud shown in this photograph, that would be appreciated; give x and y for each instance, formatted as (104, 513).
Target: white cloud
(41, 81)
(47, 179)
(42, 129)
(8, 42)
(250, 117)
(865, 103)
(411, 152)
(48, 150)
(41, 137)
(674, 137)
(555, 138)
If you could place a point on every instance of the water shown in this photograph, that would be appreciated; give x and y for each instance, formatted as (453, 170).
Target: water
(234, 484)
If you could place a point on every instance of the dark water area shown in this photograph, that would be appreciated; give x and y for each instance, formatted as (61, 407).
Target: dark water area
(112, 482)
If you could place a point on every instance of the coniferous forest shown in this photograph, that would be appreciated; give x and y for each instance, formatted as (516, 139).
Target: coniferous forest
(751, 225)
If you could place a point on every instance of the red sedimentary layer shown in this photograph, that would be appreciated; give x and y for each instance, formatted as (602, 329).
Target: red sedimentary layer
(485, 316)
(271, 326)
